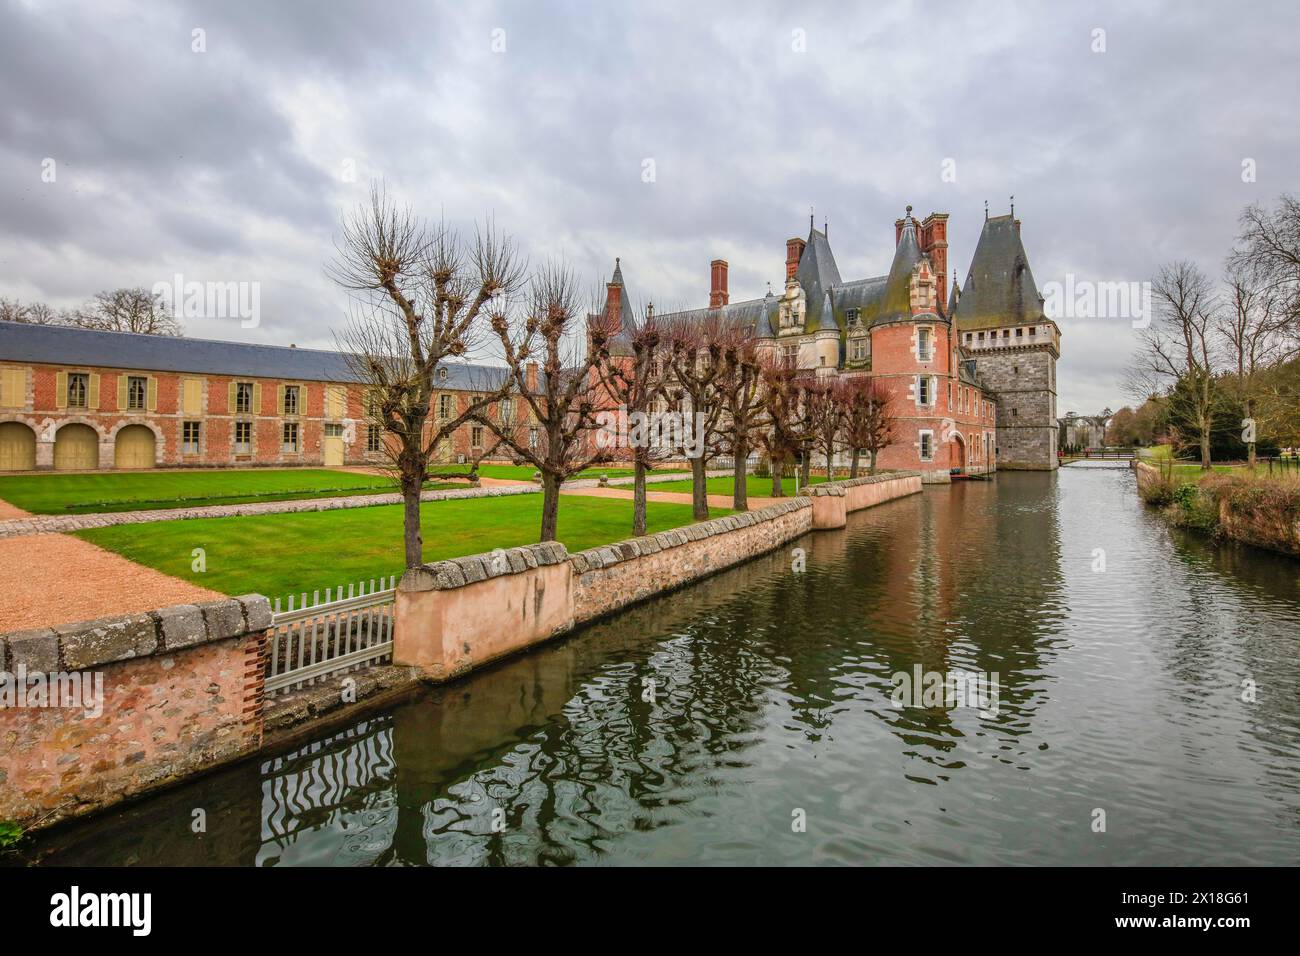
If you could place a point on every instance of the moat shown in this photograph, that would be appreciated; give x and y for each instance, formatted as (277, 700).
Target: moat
(1119, 689)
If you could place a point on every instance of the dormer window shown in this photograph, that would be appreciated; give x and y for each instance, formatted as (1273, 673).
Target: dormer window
(442, 375)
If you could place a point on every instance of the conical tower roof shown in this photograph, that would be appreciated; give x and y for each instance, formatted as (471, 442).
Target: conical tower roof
(1000, 288)
(897, 301)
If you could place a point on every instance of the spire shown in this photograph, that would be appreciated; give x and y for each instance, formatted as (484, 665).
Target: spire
(897, 300)
(618, 271)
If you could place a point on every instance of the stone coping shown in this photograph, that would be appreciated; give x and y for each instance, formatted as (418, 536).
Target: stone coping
(459, 572)
(90, 644)
(836, 488)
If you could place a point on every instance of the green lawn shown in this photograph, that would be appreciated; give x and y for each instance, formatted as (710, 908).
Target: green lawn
(282, 553)
(755, 486)
(525, 472)
(140, 490)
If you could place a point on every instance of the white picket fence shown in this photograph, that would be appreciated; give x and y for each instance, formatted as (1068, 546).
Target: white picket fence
(317, 638)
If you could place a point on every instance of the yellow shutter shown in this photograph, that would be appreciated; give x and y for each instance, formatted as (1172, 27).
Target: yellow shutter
(193, 396)
(93, 400)
(61, 390)
(151, 394)
(13, 388)
(279, 399)
(121, 392)
(257, 398)
(230, 401)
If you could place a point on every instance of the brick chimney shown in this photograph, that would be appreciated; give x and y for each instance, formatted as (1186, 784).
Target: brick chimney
(718, 296)
(614, 305)
(793, 253)
(530, 376)
(934, 243)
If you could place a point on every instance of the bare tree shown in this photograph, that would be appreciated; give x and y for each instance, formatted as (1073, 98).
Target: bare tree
(695, 350)
(1177, 355)
(632, 375)
(744, 419)
(418, 294)
(1251, 325)
(1269, 250)
(31, 313)
(565, 401)
(787, 435)
(825, 416)
(126, 310)
(868, 419)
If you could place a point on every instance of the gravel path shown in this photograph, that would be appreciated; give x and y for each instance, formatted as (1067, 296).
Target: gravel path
(50, 579)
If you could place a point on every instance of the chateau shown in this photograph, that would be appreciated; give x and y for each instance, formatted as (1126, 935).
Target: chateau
(972, 370)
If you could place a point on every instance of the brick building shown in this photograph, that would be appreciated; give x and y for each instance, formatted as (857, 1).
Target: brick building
(75, 399)
(898, 328)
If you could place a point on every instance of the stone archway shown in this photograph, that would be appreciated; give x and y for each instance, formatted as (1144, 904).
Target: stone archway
(17, 447)
(76, 448)
(135, 446)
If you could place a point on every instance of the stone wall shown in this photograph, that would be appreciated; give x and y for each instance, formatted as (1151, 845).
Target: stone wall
(1024, 384)
(172, 692)
(457, 615)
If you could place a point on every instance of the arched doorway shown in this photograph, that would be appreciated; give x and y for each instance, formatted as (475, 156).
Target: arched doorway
(17, 447)
(76, 448)
(134, 448)
(959, 451)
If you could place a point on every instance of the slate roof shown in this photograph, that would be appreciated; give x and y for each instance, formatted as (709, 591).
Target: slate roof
(60, 345)
(817, 274)
(1000, 288)
(621, 342)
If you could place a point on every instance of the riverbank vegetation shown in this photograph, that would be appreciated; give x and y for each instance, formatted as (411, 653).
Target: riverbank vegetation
(1217, 371)
(1236, 504)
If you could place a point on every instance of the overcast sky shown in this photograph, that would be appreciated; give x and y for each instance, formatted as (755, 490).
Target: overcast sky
(230, 164)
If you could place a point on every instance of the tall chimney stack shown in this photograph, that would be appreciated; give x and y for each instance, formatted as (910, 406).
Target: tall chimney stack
(793, 253)
(718, 296)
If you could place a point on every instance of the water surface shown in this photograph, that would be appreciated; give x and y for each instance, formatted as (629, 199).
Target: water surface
(1120, 690)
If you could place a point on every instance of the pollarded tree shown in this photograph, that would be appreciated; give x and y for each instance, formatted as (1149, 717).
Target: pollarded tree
(631, 373)
(420, 296)
(868, 419)
(824, 410)
(566, 399)
(787, 436)
(695, 350)
(744, 420)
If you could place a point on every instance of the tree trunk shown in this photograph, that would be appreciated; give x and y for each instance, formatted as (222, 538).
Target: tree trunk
(550, 506)
(699, 490)
(740, 493)
(638, 498)
(1250, 446)
(872, 470)
(777, 468)
(413, 540)
(1205, 446)
(853, 466)
(830, 468)
(806, 470)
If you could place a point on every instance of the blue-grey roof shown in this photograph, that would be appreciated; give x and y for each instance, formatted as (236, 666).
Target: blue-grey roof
(817, 273)
(61, 345)
(1000, 288)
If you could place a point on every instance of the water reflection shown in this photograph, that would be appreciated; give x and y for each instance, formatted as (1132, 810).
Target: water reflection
(1120, 689)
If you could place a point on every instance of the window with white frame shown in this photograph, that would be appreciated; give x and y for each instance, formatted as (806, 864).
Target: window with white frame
(927, 445)
(924, 390)
(289, 437)
(374, 438)
(78, 389)
(190, 438)
(444, 407)
(924, 345)
(243, 438)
